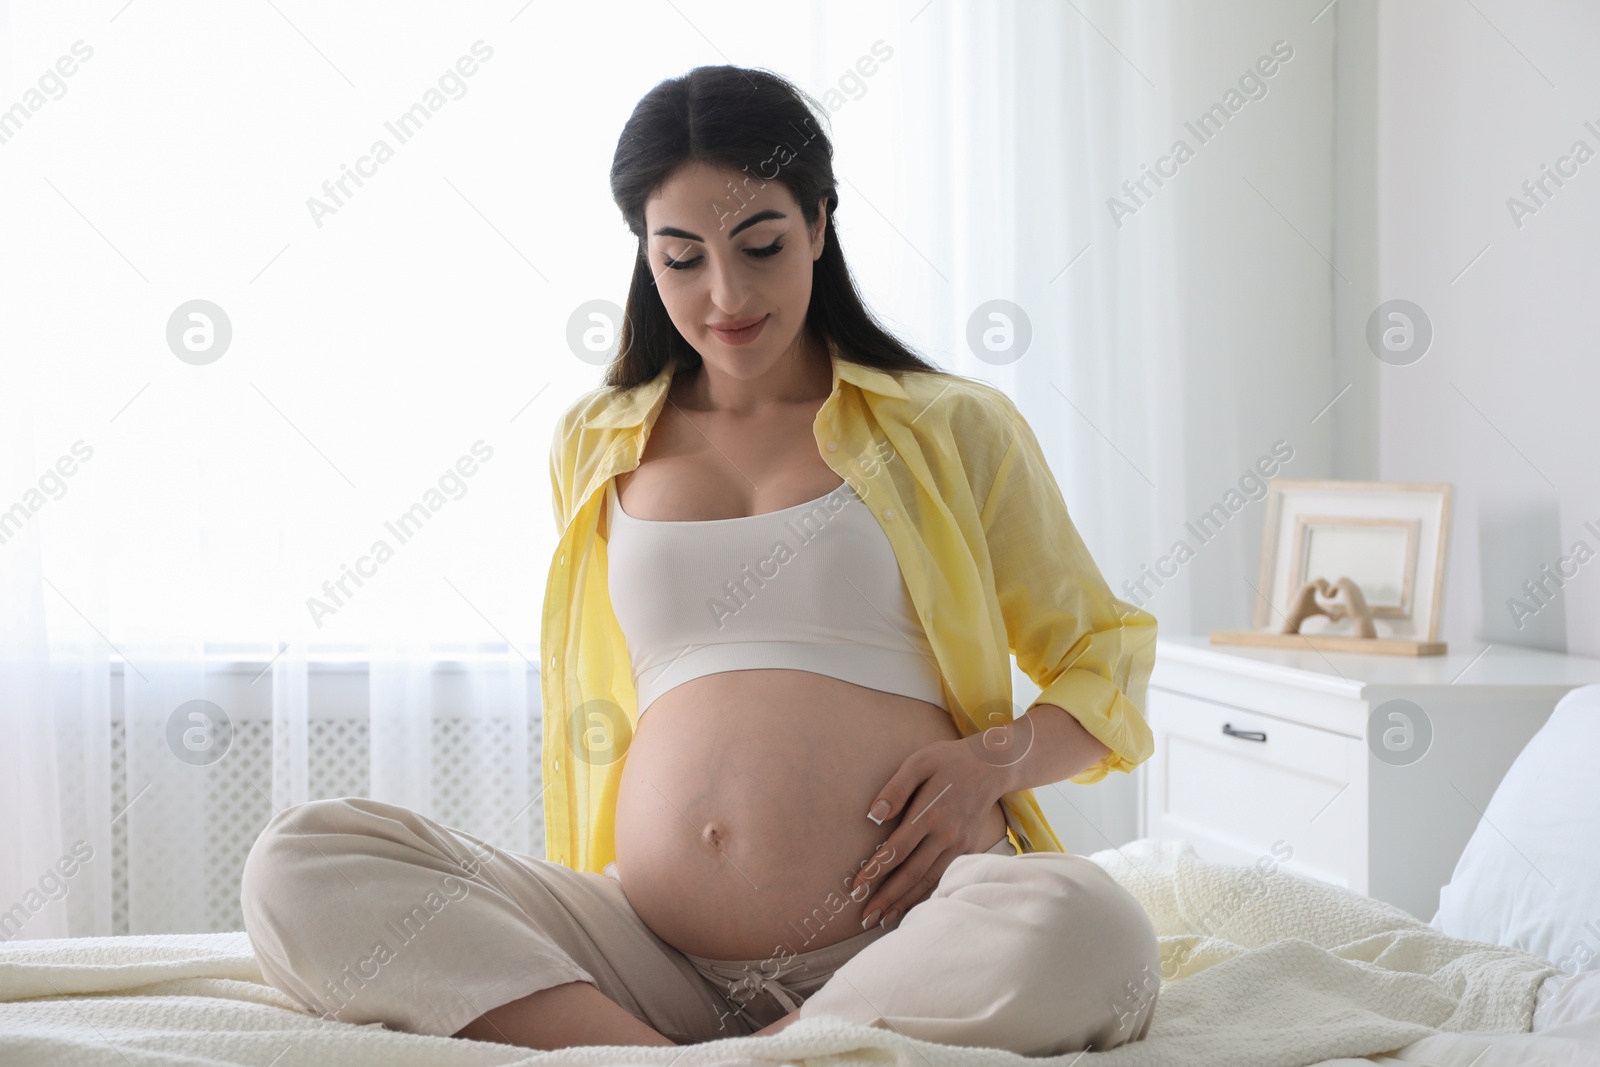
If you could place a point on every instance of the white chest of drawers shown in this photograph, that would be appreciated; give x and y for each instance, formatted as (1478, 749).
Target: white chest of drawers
(1265, 754)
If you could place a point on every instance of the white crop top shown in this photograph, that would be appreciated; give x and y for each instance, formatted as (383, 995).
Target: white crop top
(815, 587)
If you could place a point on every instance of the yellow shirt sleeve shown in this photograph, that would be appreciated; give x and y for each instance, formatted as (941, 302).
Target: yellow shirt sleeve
(1087, 651)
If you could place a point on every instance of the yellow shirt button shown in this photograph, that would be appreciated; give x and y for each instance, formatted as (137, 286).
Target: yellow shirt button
(888, 513)
(833, 446)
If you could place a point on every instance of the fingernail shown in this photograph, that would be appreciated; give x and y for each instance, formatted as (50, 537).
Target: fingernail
(871, 918)
(879, 812)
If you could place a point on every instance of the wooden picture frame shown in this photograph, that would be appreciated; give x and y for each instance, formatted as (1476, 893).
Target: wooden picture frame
(1391, 538)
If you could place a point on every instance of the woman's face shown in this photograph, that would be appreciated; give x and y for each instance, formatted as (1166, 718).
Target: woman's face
(726, 260)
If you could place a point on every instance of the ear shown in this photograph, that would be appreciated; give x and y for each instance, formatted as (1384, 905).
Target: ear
(819, 236)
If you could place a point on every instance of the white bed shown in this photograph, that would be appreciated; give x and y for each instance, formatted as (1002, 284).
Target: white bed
(1295, 972)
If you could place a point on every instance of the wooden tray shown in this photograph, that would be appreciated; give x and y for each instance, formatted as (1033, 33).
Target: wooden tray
(1383, 646)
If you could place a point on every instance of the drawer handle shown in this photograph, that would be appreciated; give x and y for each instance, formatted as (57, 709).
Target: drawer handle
(1248, 735)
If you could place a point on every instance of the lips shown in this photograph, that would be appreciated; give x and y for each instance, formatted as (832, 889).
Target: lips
(738, 331)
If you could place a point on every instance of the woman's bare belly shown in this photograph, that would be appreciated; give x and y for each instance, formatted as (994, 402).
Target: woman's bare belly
(742, 810)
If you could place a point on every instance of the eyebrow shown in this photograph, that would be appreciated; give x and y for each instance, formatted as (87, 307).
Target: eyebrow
(760, 216)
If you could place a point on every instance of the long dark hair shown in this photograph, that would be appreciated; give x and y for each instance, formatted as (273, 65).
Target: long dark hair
(734, 117)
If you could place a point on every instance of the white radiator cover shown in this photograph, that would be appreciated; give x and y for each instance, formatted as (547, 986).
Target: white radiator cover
(238, 808)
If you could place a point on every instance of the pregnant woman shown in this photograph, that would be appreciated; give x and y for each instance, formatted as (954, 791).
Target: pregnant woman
(783, 774)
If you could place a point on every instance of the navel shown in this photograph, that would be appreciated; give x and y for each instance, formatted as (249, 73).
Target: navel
(715, 836)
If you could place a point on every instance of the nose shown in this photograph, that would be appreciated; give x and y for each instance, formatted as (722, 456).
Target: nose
(729, 287)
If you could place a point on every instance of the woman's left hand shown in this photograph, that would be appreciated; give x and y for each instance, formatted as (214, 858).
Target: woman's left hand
(946, 790)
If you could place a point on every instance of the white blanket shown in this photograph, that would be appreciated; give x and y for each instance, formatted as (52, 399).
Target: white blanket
(1293, 972)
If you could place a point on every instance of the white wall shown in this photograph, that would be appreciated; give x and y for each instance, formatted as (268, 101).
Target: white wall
(1389, 144)
(1503, 406)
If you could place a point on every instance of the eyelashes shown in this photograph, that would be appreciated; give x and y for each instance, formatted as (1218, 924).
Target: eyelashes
(754, 253)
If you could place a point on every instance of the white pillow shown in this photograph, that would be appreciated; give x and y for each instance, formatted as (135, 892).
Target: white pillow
(1530, 875)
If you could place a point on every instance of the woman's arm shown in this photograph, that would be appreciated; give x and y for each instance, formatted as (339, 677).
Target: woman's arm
(1089, 653)
(1053, 746)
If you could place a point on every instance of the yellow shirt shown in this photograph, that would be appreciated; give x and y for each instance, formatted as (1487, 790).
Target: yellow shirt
(978, 525)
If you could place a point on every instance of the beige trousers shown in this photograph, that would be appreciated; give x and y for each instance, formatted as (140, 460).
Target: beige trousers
(369, 912)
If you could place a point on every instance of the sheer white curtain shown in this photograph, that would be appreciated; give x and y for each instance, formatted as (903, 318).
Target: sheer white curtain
(168, 680)
(1102, 387)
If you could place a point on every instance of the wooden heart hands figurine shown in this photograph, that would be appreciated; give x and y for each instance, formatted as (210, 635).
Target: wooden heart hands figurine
(1346, 601)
